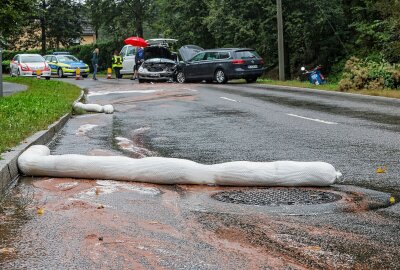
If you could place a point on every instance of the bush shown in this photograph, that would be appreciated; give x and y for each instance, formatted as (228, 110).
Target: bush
(6, 66)
(368, 74)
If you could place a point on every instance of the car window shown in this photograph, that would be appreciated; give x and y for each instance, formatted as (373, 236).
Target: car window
(246, 54)
(210, 56)
(15, 58)
(130, 51)
(123, 51)
(223, 55)
(198, 57)
(53, 59)
(31, 58)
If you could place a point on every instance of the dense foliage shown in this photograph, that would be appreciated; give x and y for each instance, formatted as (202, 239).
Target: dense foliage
(326, 32)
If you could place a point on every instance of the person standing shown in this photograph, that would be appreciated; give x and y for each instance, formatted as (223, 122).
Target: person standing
(139, 59)
(95, 62)
(117, 64)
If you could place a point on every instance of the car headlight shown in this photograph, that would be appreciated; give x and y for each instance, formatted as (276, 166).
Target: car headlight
(141, 69)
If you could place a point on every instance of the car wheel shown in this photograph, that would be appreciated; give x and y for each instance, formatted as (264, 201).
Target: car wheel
(251, 79)
(220, 76)
(47, 78)
(18, 72)
(85, 76)
(180, 77)
(141, 80)
(60, 73)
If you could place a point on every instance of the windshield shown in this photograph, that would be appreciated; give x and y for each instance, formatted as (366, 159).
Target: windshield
(246, 54)
(31, 58)
(67, 58)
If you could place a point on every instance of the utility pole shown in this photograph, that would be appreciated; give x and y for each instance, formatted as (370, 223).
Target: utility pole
(281, 48)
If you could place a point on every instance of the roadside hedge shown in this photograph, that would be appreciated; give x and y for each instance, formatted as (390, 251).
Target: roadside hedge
(82, 52)
(362, 74)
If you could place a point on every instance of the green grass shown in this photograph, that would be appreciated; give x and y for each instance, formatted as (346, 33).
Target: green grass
(27, 112)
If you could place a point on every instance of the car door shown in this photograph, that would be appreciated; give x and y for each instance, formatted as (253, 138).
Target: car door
(209, 65)
(128, 59)
(193, 68)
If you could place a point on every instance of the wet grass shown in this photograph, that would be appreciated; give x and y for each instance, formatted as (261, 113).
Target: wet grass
(27, 112)
(332, 87)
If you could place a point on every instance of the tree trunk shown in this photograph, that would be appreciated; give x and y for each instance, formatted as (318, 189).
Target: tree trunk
(139, 19)
(43, 26)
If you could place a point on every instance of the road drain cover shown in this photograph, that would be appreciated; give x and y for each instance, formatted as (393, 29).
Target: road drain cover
(277, 196)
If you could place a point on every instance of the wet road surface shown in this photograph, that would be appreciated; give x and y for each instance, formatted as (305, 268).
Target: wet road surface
(87, 224)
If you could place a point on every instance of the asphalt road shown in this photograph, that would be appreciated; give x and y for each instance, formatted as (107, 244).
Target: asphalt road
(90, 224)
(11, 88)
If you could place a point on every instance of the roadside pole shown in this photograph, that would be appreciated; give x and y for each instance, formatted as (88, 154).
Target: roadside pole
(1, 72)
(281, 49)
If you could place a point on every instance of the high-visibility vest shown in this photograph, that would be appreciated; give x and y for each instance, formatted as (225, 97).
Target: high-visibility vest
(116, 61)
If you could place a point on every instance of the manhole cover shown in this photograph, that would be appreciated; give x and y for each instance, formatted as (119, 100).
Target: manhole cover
(277, 196)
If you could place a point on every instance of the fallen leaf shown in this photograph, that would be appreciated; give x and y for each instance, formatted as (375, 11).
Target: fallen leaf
(315, 248)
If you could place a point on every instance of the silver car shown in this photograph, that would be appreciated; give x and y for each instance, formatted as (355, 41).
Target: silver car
(159, 62)
(28, 64)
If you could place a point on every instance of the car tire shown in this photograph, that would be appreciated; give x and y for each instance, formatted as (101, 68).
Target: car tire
(180, 77)
(251, 79)
(47, 78)
(60, 73)
(85, 76)
(141, 80)
(18, 73)
(220, 76)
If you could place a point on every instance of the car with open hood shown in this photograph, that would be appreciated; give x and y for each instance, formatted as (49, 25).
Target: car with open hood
(159, 62)
(219, 65)
(28, 64)
(64, 64)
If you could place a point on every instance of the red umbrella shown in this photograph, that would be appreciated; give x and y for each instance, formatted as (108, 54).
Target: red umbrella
(136, 41)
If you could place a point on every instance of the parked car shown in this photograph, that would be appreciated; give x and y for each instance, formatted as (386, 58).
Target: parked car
(218, 65)
(128, 53)
(159, 62)
(28, 64)
(64, 64)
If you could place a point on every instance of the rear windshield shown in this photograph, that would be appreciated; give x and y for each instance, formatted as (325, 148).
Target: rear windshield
(32, 58)
(246, 54)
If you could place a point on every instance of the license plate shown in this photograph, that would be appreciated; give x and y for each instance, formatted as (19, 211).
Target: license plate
(253, 66)
(155, 75)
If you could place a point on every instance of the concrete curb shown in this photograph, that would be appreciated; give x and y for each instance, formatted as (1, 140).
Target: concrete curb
(8, 165)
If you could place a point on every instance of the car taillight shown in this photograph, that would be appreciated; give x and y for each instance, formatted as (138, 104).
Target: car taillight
(24, 67)
(46, 67)
(238, 62)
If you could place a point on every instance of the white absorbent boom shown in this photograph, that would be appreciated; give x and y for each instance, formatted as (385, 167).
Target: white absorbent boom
(37, 161)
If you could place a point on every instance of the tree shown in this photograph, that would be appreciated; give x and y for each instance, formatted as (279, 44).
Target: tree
(12, 18)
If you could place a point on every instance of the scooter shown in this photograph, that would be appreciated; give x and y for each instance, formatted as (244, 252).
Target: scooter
(314, 76)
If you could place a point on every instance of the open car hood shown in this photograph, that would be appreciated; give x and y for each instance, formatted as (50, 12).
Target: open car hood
(188, 51)
(161, 41)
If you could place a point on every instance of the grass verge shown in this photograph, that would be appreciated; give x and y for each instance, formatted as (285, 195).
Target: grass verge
(27, 112)
(333, 87)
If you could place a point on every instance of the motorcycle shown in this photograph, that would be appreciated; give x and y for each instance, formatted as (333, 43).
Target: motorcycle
(314, 76)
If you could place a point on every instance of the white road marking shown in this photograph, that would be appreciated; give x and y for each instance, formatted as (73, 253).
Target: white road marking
(229, 99)
(312, 119)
